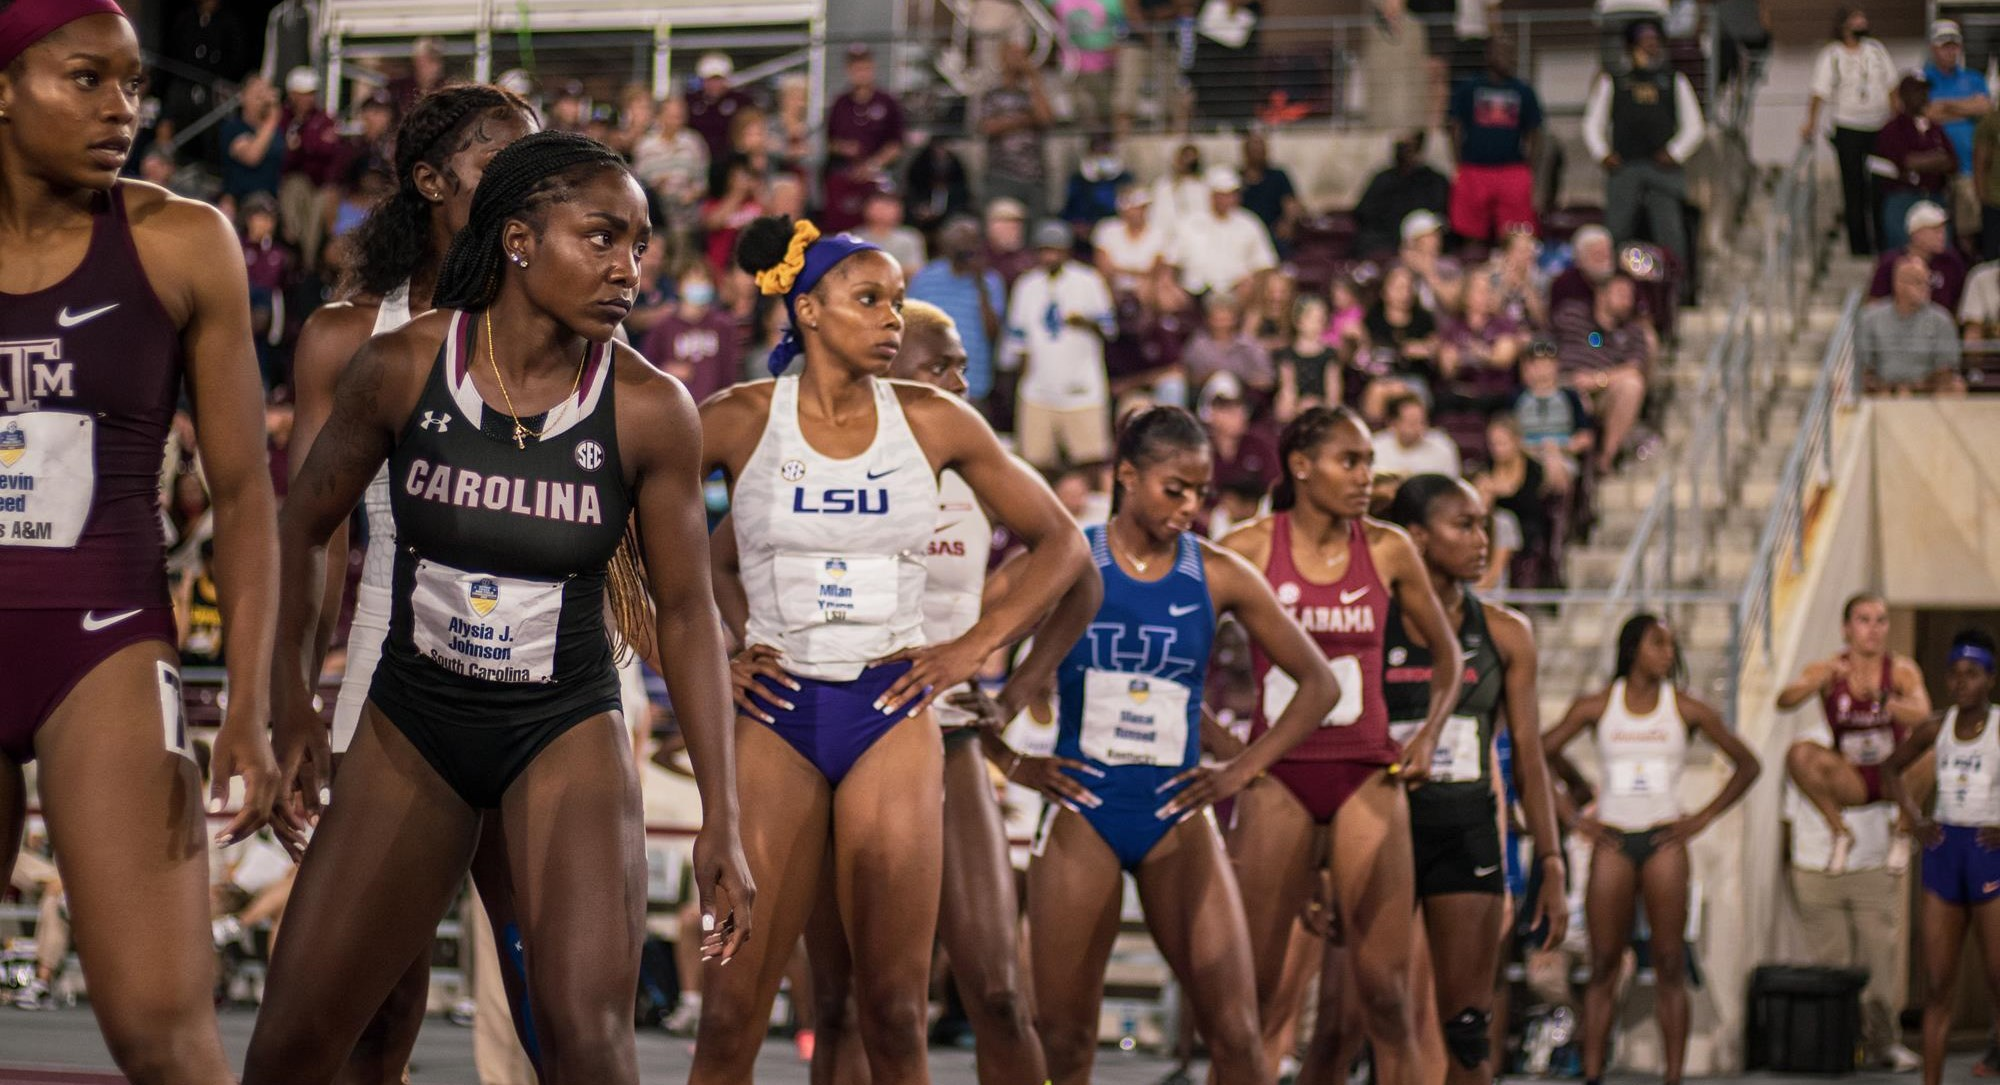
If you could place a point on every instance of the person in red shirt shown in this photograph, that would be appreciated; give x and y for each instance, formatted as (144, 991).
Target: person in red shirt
(864, 138)
(697, 342)
(1913, 161)
(713, 110)
(315, 158)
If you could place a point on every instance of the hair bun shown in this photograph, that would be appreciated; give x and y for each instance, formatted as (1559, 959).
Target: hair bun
(762, 244)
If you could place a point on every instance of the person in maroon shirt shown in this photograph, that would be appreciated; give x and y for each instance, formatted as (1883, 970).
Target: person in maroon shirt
(713, 110)
(1243, 453)
(315, 158)
(864, 137)
(697, 342)
(1912, 161)
(1925, 224)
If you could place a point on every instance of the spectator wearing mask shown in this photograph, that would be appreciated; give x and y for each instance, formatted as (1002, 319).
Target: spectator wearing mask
(1091, 29)
(1496, 130)
(1906, 343)
(1007, 250)
(1408, 185)
(1641, 125)
(1268, 192)
(937, 187)
(1223, 251)
(1014, 117)
(1058, 320)
(1606, 352)
(1924, 226)
(673, 161)
(1182, 194)
(1244, 458)
(315, 157)
(254, 145)
(1913, 161)
(1409, 446)
(882, 224)
(1555, 427)
(1092, 195)
(864, 139)
(1131, 252)
(1854, 80)
(959, 282)
(1959, 98)
(696, 341)
(1440, 279)
(1224, 345)
(714, 109)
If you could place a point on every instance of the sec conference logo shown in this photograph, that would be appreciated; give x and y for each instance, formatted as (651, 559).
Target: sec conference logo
(589, 454)
(484, 595)
(792, 470)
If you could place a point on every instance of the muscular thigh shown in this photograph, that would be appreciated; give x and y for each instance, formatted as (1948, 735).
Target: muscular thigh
(1075, 890)
(1193, 908)
(1372, 865)
(888, 832)
(978, 910)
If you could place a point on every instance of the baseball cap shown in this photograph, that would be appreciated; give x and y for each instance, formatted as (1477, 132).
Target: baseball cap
(1221, 388)
(1222, 179)
(1135, 196)
(860, 51)
(302, 80)
(1945, 30)
(1053, 234)
(1420, 222)
(1922, 215)
(714, 66)
(1006, 207)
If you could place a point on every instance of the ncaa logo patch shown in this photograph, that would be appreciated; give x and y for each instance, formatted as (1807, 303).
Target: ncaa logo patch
(836, 568)
(1139, 689)
(13, 445)
(1288, 593)
(792, 470)
(589, 454)
(484, 596)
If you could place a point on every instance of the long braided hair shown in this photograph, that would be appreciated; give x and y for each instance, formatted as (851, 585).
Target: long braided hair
(525, 178)
(395, 239)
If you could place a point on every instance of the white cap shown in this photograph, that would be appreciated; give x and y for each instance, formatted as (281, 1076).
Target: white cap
(1223, 385)
(1922, 215)
(1945, 30)
(714, 66)
(516, 80)
(302, 80)
(1222, 179)
(1420, 222)
(1135, 196)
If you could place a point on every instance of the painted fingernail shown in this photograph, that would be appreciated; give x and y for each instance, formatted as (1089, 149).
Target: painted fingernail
(325, 795)
(878, 704)
(708, 921)
(790, 707)
(795, 686)
(215, 805)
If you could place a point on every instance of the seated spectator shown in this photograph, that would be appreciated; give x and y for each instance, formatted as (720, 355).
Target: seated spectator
(1268, 192)
(1308, 367)
(1496, 126)
(1518, 279)
(1906, 343)
(1440, 279)
(315, 157)
(1555, 427)
(1924, 226)
(696, 343)
(1007, 250)
(566, 113)
(1132, 252)
(1244, 457)
(1408, 185)
(1058, 320)
(1014, 116)
(937, 187)
(1503, 549)
(1409, 446)
(1912, 161)
(1224, 251)
(971, 293)
(725, 216)
(1346, 326)
(750, 145)
(672, 160)
(1515, 484)
(711, 111)
(636, 111)
(1979, 306)
(1482, 339)
(1270, 314)
(1092, 195)
(882, 223)
(1400, 345)
(253, 145)
(790, 123)
(272, 266)
(1223, 346)
(1606, 352)
(1182, 194)
(1594, 261)
(864, 138)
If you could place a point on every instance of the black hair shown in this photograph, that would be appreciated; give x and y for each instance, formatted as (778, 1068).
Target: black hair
(1392, 409)
(1417, 496)
(1150, 435)
(1629, 637)
(1649, 23)
(1840, 16)
(395, 239)
(1303, 434)
(762, 244)
(523, 179)
(1855, 600)
(1975, 638)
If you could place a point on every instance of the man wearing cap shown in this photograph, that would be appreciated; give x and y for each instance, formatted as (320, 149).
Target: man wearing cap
(1913, 161)
(1407, 184)
(1440, 279)
(712, 111)
(864, 137)
(1642, 124)
(1227, 250)
(1058, 321)
(1132, 250)
(315, 158)
(1959, 97)
(1925, 225)
(1007, 250)
(1013, 116)
(426, 74)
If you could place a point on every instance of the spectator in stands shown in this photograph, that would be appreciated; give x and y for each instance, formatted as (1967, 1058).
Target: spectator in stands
(567, 113)
(864, 140)
(1594, 261)
(1615, 20)
(1855, 75)
(696, 342)
(1959, 97)
(1092, 193)
(375, 143)
(790, 123)
(1924, 225)
(1308, 367)
(1396, 69)
(724, 216)
(1401, 344)
(1496, 131)
(1242, 453)
(1131, 252)
(1224, 250)
(1479, 347)
(1408, 185)
(1641, 125)
(1986, 186)
(636, 113)
(1223, 345)
(253, 145)
(937, 187)
(1440, 279)
(1906, 343)
(1091, 29)
(711, 112)
(882, 223)
(1409, 446)
(1606, 352)
(1518, 485)
(1007, 250)
(1913, 161)
(672, 160)
(1519, 282)
(314, 158)
(1268, 192)
(767, 326)
(1058, 321)
(1269, 317)
(427, 73)
(271, 265)
(1014, 116)
(959, 282)
(1347, 326)
(1555, 427)
(1227, 84)
(1182, 194)
(749, 144)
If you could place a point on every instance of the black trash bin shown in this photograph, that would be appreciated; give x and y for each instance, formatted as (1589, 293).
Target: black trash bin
(1804, 1020)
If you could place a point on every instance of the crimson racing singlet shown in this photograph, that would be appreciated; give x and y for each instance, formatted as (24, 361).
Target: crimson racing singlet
(1347, 620)
(1863, 730)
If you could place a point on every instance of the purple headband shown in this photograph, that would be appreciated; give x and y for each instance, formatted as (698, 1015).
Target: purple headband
(1974, 653)
(29, 21)
(820, 257)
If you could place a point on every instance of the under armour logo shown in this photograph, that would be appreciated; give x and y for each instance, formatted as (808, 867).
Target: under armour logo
(436, 421)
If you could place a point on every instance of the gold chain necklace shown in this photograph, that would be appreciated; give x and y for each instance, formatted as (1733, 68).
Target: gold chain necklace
(521, 430)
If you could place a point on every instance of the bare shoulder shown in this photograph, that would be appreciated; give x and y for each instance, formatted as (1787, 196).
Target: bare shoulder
(1252, 541)
(1511, 630)
(159, 217)
(1221, 563)
(350, 321)
(749, 401)
(645, 385)
(1382, 533)
(409, 351)
(931, 409)
(1908, 672)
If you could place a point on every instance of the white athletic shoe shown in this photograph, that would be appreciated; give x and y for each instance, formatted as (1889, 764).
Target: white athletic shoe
(35, 996)
(685, 1019)
(1901, 1060)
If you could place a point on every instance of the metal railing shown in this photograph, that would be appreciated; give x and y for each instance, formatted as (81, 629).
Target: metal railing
(1808, 468)
(1792, 233)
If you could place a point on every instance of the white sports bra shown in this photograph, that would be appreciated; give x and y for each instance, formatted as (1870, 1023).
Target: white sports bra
(1642, 757)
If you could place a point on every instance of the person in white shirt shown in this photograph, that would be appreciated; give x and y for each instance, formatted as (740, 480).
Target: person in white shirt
(1226, 249)
(1410, 446)
(1856, 77)
(1132, 252)
(1182, 193)
(1058, 320)
(1642, 124)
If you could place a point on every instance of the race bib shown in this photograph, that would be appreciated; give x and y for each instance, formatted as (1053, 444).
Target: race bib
(816, 589)
(173, 711)
(1279, 689)
(48, 476)
(1870, 747)
(494, 628)
(1639, 777)
(1456, 759)
(1134, 719)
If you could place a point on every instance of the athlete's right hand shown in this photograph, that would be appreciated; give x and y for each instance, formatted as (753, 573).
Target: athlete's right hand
(750, 664)
(1926, 832)
(728, 894)
(1598, 833)
(1031, 690)
(1051, 776)
(243, 748)
(304, 752)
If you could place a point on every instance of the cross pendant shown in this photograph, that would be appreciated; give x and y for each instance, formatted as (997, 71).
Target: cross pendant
(520, 435)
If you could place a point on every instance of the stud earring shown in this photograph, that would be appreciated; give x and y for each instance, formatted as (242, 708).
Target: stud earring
(516, 257)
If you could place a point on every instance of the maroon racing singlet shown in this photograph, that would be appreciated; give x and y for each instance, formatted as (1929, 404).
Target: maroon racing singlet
(1863, 730)
(1347, 619)
(90, 370)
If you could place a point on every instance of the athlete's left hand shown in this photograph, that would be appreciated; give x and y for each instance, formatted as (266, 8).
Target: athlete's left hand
(243, 748)
(933, 669)
(1202, 785)
(1552, 906)
(986, 715)
(728, 895)
(1679, 831)
(1415, 767)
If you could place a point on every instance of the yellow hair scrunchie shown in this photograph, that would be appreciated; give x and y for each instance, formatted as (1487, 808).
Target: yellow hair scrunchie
(777, 281)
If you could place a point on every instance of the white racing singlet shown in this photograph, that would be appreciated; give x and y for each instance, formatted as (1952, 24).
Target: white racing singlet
(957, 561)
(371, 599)
(833, 550)
(1642, 757)
(1968, 773)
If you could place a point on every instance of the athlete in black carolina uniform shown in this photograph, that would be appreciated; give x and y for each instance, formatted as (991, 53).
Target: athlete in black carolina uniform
(112, 295)
(521, 443)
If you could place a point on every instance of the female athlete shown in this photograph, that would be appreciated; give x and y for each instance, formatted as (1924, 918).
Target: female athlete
(834, 497)
(111, 293)
(496, 691)
(1639, 832)
(1337, 801)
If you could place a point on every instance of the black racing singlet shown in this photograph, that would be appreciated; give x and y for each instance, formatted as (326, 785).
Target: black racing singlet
(1460, 790)
(498, 606)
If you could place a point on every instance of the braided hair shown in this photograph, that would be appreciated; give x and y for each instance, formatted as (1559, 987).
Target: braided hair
(522, 180)
(1151, 435)
(1304, 434)
(395, 239)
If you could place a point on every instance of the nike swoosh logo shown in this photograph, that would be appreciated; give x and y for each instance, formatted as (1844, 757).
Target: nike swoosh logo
(1990, 887)
(942, 528)
(68, 319)
(1347, 598)
(1183, 610)
(92, 623)
(873, 475)
(1483, 871)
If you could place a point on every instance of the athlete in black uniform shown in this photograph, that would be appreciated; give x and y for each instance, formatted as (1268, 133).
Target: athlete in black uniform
(513, 483)
(1454, 817)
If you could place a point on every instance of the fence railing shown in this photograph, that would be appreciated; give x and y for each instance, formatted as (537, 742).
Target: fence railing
(1792, 237)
